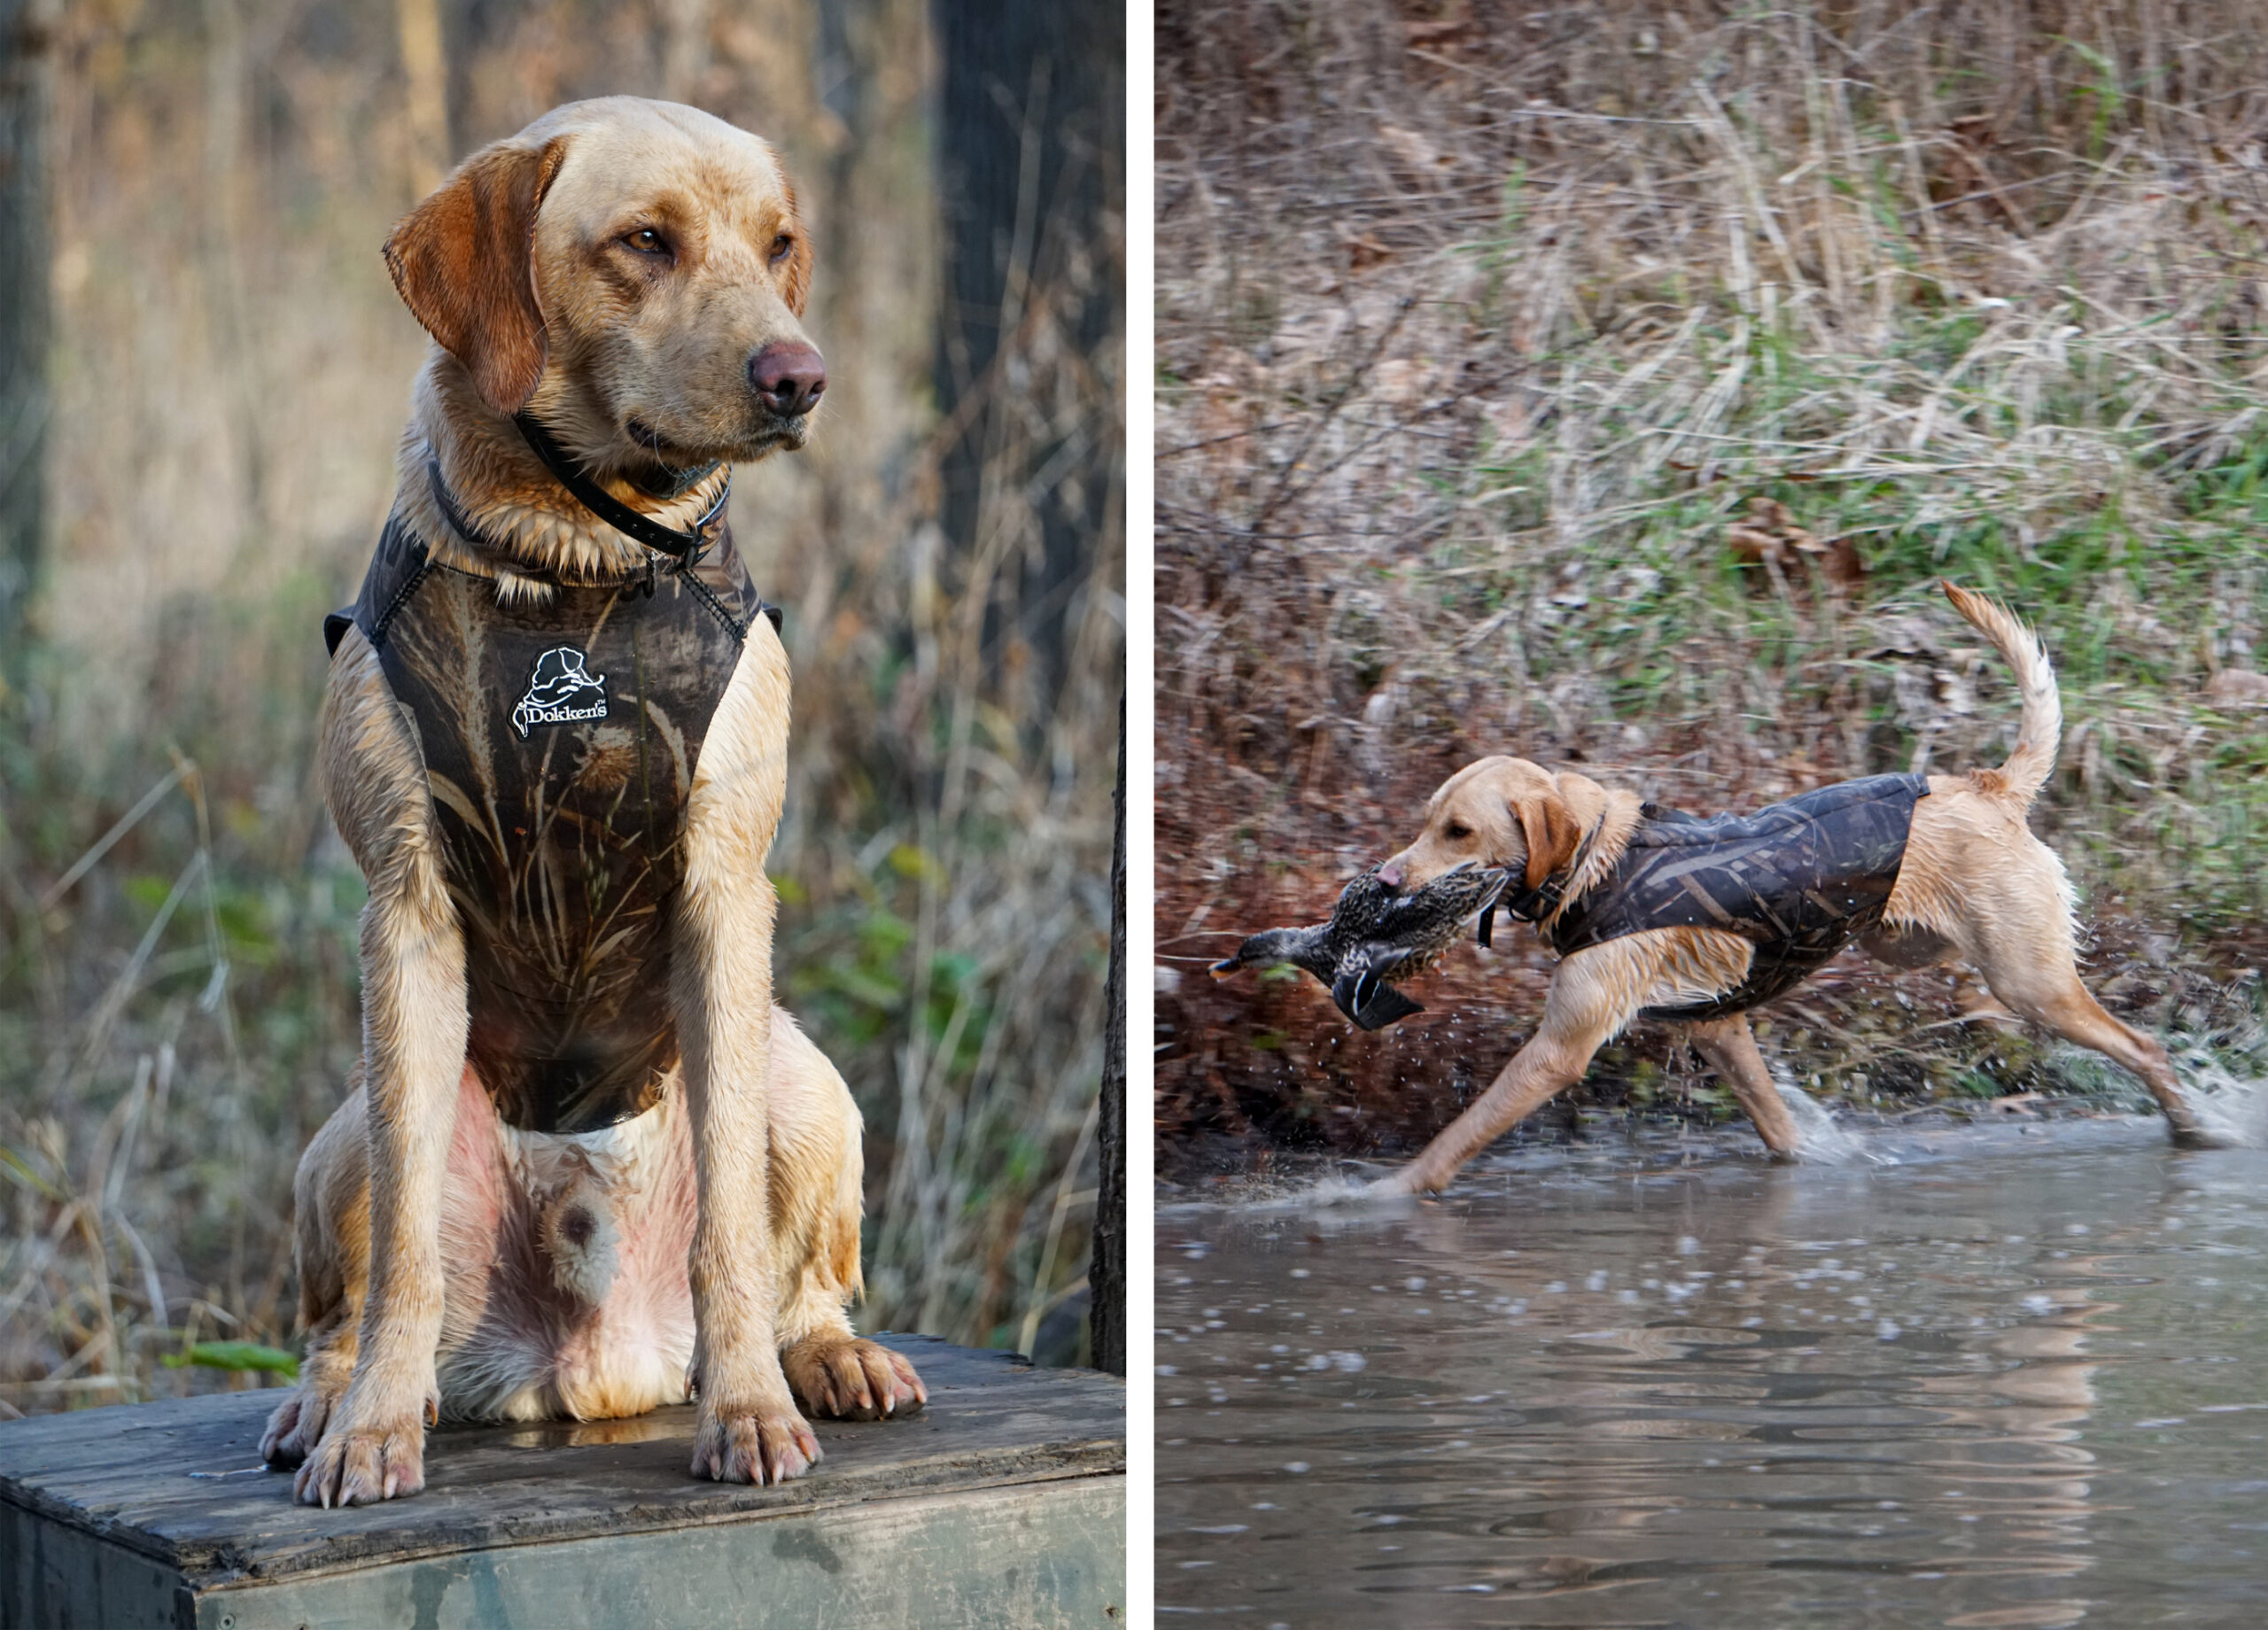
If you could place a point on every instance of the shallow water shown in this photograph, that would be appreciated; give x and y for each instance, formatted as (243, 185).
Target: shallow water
(2004, 1376)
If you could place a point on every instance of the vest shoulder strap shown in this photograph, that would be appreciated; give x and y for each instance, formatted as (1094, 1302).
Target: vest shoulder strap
(398, 567)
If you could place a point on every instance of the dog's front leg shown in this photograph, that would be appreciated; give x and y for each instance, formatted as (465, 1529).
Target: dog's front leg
(1553, 1060)
(1595, 993)
(414, 1051)
(749, 1429)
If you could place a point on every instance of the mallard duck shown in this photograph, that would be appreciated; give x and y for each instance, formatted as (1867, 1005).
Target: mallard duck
(1376, 930)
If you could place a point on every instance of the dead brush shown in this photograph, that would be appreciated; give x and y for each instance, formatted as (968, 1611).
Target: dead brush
(87, 1316)
(1608, 385)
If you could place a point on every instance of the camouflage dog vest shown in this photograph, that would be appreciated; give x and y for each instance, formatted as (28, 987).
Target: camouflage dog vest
(1800, 879)
(559, 743)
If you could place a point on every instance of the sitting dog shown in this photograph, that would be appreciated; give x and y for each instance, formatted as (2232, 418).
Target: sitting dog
(1664, 917)
(586, 1167)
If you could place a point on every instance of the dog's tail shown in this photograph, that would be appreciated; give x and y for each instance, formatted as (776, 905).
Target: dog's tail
(2041, 731)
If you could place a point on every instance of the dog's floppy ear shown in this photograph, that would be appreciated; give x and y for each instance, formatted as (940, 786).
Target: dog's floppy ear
(1551, 833)
(462, 262)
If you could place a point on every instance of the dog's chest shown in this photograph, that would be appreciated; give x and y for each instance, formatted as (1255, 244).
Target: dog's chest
(560, 741)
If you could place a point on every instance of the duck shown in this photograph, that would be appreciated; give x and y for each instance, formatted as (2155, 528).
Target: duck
(1376, 931)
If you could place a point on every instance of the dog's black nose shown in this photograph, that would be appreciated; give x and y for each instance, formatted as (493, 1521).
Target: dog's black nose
(788, 377)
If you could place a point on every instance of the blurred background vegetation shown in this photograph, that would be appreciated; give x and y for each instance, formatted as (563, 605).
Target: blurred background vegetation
(205, 370)
(1609, 383)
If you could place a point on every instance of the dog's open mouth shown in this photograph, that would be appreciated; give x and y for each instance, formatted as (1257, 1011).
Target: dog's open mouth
(1377, 933)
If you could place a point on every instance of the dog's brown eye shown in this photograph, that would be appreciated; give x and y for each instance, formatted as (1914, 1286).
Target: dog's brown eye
(645, 240)
(1456, 831)
(782, 246)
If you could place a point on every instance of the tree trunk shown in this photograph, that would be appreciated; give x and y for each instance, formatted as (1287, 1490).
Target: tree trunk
(1031, 155)
(424, 67)
(1107, 1277)
(685, 49)
(26, 39)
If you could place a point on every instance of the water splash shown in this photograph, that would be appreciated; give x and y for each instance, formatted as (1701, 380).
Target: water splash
(1333, 1193)
(2232, 1110)
(1337, 1193)
(1818, 1139)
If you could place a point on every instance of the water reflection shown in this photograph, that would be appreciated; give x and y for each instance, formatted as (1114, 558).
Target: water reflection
(2013, 1379)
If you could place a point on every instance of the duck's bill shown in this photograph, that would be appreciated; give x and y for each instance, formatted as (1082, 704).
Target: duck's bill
(1370, 1002)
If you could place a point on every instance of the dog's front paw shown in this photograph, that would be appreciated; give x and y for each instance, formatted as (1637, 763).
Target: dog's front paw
(755, 1443)
(850, 1378)
(1411, 1182)
(362, 1464)
(295, 1425)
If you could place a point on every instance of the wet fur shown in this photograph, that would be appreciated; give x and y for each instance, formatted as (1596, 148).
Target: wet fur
(1974, 883)
(450, 1265)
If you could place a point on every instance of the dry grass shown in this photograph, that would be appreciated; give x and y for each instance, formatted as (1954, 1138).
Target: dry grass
(232, 370)
(1609, 383)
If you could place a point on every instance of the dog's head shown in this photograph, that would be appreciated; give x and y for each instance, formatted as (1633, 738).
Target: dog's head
(1501, 813)
(633, 271)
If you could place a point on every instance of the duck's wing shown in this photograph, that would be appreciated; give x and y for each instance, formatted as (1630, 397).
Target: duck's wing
(1364, 995)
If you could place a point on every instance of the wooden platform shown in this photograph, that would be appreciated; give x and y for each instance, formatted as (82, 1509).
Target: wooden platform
(1003, 1504)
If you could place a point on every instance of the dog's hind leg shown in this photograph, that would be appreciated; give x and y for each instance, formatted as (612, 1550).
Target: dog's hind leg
(1729, 1047)
(2053, 997)
(1975, 876)
(2016, 930)
(816, 1175)
(331, 1250)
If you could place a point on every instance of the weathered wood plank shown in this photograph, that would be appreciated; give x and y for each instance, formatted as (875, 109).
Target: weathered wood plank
(897, 1513)
(59, 1579)
(1033, 1555)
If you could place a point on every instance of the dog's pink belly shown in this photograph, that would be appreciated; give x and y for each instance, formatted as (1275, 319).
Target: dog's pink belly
(565, 1261)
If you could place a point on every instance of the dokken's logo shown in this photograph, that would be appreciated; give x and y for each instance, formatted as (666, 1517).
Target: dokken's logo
(560, 692)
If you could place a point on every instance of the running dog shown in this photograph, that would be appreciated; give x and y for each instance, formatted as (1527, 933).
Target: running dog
(1661, 916)
(585, 1166)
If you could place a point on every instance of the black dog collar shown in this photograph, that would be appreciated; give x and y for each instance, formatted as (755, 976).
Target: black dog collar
(685, 547)
(681, 564)
(1537, 904)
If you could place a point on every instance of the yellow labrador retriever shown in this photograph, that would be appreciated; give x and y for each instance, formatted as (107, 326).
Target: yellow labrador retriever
(1666, 917)
(586, 1167)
